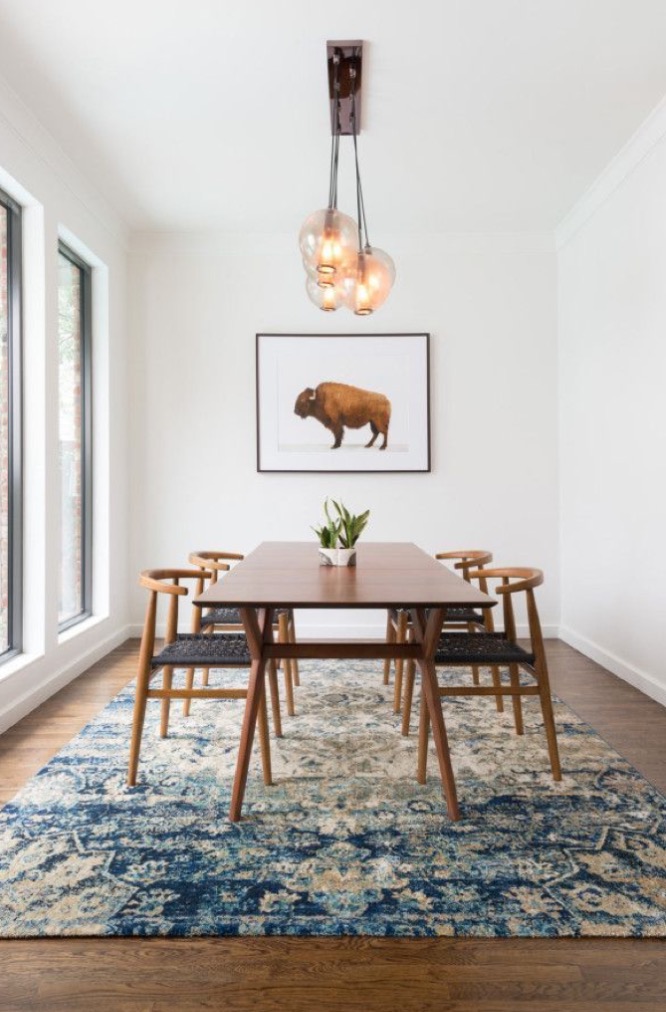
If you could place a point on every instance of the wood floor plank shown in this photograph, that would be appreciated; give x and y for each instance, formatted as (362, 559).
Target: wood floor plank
(322, 974)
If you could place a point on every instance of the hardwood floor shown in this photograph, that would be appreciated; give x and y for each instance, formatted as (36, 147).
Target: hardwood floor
(446, 975)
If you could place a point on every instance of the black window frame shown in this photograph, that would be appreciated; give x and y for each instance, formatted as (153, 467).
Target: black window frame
(15, 424)
(86, 436)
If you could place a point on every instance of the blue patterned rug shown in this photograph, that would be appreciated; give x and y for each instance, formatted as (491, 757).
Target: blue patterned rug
(346, 842)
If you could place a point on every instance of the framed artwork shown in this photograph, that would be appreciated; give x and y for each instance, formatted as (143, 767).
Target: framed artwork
(343, 402)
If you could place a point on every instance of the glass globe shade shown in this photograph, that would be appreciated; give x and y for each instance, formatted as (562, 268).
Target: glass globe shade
(328, 298)
(328, 240)
(368, 281)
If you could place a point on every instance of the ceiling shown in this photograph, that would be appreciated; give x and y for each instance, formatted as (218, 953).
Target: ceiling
(478, 115)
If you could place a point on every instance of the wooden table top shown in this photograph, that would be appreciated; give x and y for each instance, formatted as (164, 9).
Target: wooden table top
(387, 575)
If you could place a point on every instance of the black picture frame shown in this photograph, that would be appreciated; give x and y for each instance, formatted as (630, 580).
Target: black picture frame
(291, 365)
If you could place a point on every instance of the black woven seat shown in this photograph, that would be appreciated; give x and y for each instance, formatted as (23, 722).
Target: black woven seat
(463, 615)
(484, 648)
(191, 650)
(452, 615)
(221, 616)
(226, 616)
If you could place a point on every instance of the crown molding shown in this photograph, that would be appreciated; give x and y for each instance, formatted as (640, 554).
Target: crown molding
(636, 150)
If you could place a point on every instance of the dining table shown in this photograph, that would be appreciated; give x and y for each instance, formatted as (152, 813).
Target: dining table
(387, 575)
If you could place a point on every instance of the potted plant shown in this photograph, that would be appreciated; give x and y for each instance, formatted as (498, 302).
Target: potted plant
(338, 536)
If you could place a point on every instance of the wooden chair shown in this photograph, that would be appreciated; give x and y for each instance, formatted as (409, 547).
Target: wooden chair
(398, 628)
(498, 649)
(190, 651)
(229, 620)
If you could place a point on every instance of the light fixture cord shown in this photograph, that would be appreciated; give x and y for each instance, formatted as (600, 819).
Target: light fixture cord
(360, 203)
(335, 139)
(333, 178)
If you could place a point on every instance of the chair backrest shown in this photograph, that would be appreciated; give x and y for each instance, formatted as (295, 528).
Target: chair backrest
(517, 580)
(466, 561)
(472, 561)
(167, 581)
(216, 562)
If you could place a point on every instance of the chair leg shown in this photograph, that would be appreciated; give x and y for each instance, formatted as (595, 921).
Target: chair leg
(424, 725)
(401, 637)
(283, 637)
(541, 672)
(497, 682)
(264, 740)
(475, 667)
(517, 707)
(275, 697)
(140, 700)
(390, 638)
(407, 696)
(189, 682)
(167, 680)
(291, 632)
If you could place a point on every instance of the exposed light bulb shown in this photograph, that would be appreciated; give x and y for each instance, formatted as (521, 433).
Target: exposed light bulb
(362, 306)
(328, 240)
(368, 282)
(328, 298)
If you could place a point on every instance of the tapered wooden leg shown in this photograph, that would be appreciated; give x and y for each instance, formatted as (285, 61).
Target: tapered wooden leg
(424, 726)
(283, 637)
(275, 698)
(291, 631)
(475, 667)
(390, 638)
(167, 679)
(140, 700)
(401, 637)
(408, 695)
(189, 682)
(264, 740)
(255, 692)
(430, 691)
(517, 707)
(497, 682)
(549, 721)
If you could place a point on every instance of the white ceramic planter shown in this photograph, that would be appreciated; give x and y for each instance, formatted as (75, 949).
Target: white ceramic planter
(337, 556)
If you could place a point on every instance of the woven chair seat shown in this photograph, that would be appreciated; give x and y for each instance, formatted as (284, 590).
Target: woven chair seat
(463, 615)
(456, 615)
(481, 648)
(227, 616)
(221, 616)
(192, 650)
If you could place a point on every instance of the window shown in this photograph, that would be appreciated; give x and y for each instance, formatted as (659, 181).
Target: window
(75, 438)
(11, 512)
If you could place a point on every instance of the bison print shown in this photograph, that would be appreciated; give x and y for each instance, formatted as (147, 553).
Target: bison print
(338, 405)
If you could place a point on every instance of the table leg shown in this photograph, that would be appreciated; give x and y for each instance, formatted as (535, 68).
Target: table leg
(434, 703)
(258, 630)
(427, 636)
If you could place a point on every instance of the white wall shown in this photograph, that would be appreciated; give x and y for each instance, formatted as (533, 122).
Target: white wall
(490, 306)
(58, 201)
(612, 318)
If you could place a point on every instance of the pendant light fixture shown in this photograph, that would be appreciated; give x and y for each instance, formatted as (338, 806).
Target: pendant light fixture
(342, 267)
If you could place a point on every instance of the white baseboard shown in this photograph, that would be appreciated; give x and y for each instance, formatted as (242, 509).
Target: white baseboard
(20, 707)
(639, 679)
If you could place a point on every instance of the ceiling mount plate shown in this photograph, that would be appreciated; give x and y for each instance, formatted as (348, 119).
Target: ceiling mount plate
(349, 57)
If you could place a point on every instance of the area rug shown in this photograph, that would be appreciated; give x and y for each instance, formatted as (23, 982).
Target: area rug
(346, 842)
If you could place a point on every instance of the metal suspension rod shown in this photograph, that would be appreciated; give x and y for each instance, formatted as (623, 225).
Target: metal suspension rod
(364, 239)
